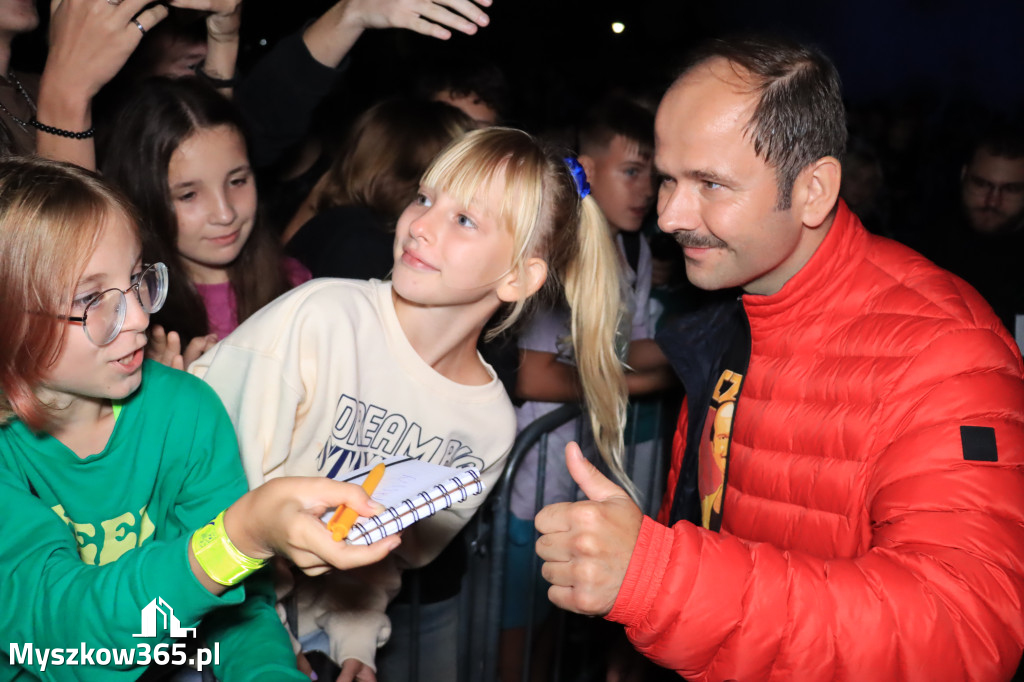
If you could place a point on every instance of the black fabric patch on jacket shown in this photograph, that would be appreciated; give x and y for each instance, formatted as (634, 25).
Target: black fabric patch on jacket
(979, 443)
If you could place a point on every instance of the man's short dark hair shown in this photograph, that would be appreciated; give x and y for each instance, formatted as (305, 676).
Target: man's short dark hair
(465, 77)
(616, 116)
(1004, 139)
(799, 116)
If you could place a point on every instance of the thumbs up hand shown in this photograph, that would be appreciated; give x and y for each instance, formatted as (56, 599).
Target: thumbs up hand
(586, 545)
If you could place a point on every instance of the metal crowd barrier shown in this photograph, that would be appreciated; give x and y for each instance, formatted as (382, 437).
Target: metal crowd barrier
(481, 597)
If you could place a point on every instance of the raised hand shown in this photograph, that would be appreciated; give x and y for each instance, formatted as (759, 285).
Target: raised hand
(89, 43)
(331, 36)
(429, 17)
(225, 17)
(586, 545)
(223, 27)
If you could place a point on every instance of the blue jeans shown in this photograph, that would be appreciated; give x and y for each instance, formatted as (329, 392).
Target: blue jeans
(438, 654)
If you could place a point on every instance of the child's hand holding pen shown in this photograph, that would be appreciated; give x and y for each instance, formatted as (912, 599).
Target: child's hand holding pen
(282, 516)
(344, 517)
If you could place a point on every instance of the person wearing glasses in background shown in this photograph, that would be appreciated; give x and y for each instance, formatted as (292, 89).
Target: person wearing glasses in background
(983, 241)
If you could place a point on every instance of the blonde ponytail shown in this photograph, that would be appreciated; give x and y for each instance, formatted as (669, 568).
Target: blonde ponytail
(593, 289)
(542, 210)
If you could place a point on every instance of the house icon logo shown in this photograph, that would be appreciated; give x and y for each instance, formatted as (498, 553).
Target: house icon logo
(158, 608)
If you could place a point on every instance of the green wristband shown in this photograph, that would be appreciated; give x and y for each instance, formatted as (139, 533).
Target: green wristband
(219, 557)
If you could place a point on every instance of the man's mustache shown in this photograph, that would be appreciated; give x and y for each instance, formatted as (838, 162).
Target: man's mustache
(693, 240)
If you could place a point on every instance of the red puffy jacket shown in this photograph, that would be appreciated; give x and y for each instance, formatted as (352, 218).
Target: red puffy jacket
(861, 538)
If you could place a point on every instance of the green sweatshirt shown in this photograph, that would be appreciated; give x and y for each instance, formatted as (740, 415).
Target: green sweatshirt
(88, 543)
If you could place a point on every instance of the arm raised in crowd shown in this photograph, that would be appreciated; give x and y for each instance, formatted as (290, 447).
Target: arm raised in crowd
(279, 95)
(331, 37)
(89, 43)
(223, 26)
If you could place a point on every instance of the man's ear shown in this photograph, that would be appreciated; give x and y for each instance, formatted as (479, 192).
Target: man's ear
(816, 190)
(521, 284)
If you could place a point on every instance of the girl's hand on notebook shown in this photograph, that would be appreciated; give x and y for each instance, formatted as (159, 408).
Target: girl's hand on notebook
(282, 516)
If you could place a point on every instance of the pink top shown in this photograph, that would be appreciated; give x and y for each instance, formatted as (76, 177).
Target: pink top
(221, 307)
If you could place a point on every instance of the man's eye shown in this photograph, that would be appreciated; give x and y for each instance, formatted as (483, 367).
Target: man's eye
(465, 221)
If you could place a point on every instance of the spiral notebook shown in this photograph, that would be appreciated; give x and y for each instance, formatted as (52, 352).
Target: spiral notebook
(412, 490)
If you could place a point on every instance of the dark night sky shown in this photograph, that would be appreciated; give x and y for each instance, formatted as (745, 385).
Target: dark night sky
(559, 52)
(884, 48)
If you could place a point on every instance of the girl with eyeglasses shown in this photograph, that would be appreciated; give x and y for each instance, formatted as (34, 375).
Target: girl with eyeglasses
(120, 481)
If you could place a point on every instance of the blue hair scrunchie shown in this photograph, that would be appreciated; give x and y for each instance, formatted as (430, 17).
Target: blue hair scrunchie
(579, 175)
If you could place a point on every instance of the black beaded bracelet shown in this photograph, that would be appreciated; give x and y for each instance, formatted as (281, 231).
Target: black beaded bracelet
(84, 135)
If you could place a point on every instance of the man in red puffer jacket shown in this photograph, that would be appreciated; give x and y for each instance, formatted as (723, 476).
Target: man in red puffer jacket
(846, 499)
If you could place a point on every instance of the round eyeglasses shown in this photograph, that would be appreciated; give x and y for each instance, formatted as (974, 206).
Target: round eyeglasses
(104, 313)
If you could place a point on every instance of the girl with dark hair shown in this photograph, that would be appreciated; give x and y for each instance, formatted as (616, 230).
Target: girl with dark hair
(180, 154)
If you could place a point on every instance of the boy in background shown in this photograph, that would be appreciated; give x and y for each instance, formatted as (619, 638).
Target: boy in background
(616, 143)
(616, 149)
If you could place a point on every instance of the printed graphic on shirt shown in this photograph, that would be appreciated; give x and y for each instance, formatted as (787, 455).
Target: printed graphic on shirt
(714, 448)
(107, 541)
(365, 434)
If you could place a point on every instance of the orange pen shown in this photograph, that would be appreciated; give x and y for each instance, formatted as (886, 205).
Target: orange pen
(341, 523)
